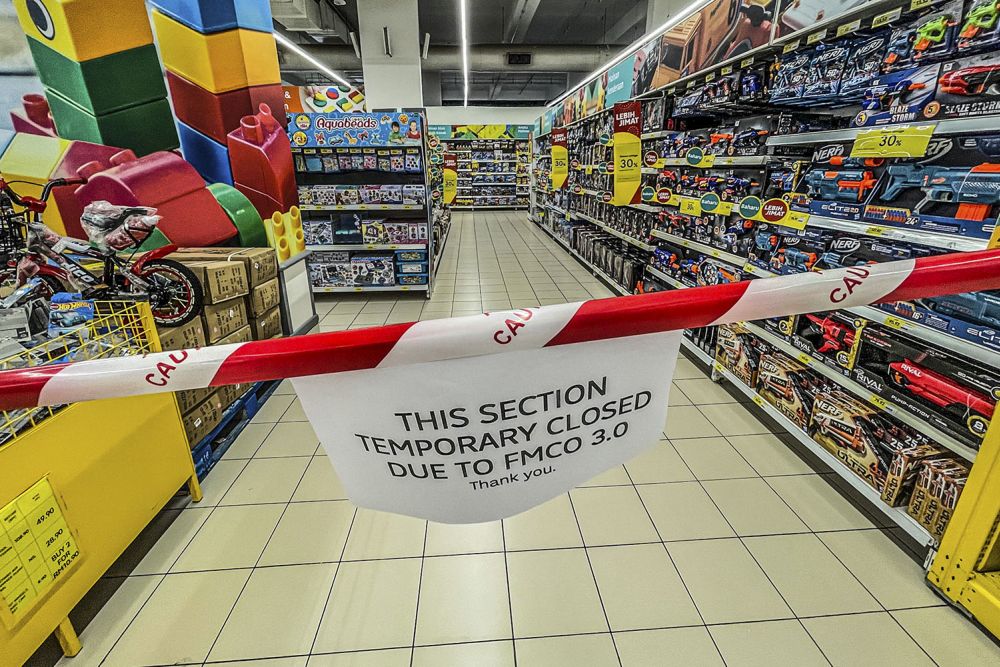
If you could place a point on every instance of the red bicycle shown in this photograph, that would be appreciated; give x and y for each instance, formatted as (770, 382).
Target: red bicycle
(115, 234)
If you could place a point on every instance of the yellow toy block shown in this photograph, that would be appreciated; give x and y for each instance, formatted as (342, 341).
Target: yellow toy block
(218, 62)
(32, 158)
(284, 233)
(86, 29)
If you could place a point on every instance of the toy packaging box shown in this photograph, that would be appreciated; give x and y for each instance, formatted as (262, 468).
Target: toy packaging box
(789, 386)
(980, 28)
(954, 189)
(832, 337)
(952, 393)
(827, 64)
(348, 195)
(930, 36)
(739, 351)
(800, 251)
(317, 232)
(837, 185)
(373, 269)
(782, 327)
(846, 250)
(904, 470)
(898, 97)
(414, 194)
(330, 269)
(789, 80)
(380, 194)
(853, 432)
(973, 316)
(864, 63)
(969, 86)
(373, 231)
(938, 486)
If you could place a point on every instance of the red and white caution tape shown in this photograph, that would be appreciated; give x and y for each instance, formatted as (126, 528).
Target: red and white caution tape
(492, 333)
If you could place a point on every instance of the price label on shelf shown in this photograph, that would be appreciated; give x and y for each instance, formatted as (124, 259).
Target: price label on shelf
(886, 18)
(746, 62)
(727, 70)
(894, 323)
(875, 230)
(805, 358)
(920, 4)
(690, 206)
(901, 141)
(718, 367)
(878, 402)
(791, 46)
(758, 400)
(848, 28)
(710, 77)
(816, 37)
(690, 85)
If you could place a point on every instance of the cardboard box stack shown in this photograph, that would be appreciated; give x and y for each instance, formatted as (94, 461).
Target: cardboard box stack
(242, 299)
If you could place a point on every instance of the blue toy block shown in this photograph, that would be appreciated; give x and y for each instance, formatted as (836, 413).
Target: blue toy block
(208, 16)
(205, 154)
(6, 136)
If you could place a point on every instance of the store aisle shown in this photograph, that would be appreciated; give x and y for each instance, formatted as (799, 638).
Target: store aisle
(720, 545)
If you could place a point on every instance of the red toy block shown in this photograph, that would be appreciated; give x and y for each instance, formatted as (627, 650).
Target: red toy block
(261, 158)
(65, 198)
(217, 114)
(191, 215)
(265, 204)
(35, 117)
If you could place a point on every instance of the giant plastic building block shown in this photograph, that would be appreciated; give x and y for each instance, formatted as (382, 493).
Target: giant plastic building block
(33, 117)
(31, 158)
(6, 136)
(218, 114)
(105, 84)
(261, 158)
(207, 16)
(246, 219)
(144, 128)
(208, 156)
(191, 215)
(77, 154)
(284, 233)
(86, 29)
(265, 204)
(219, 62)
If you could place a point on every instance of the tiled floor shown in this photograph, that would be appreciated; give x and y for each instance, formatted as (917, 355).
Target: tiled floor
(720, 545)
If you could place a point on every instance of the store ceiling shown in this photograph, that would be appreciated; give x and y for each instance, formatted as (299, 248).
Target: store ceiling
(567, 37)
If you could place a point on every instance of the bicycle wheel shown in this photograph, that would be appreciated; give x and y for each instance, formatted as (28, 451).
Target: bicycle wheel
(175, 295)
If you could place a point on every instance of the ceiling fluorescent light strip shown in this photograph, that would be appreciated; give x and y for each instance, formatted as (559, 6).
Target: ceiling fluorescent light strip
(465, 50)
(627, 51)
(294, 48)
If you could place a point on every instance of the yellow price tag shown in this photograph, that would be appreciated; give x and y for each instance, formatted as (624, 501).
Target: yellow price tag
(710, 77)
(816, 37)
(724, 208)
(728, 69)
(878, 402)
(690, 84)
(805, 358)
(718, 366)
(901, 141)
(888, 17)
(848, 28)
(746, 62)
(791, 46)
(758, 400)
(690, 206)
(894, 323)
(660, 164)
(920, 4)
(875, 230)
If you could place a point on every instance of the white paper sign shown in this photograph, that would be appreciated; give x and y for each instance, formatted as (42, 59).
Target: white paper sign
(486, 437)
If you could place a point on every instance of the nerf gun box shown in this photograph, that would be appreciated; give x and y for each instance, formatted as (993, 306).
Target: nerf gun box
(955, 189)
(950, 392)
(789, 386)
(822, 78)
(969, 86)
(848, 250)
(929, 36)
(851, 430)
(739, 351)
(789, 80)
(904, 470)
(864, 63)
(980, 28)
(902, 96)
(837, 185)
(973, 316)
(799, 251)
(782, 327)
(831, 337)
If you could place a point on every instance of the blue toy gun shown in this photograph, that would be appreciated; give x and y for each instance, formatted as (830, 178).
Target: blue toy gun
(848, 185)
(975, 190)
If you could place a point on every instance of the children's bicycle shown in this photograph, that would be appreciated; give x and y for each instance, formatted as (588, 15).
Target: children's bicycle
(109, 266)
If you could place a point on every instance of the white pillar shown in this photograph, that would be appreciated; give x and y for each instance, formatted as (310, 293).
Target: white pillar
(390, 81)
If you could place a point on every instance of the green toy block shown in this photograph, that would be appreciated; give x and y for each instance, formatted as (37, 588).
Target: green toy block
(246, 219)
(145, 128)
(105, 84)
(155, 240)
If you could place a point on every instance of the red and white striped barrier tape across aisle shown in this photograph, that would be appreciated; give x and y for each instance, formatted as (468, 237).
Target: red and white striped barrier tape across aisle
(492, 333)
(479, 418)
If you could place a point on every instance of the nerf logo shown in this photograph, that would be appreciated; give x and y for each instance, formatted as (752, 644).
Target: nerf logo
(853, 277)
(826, 152)
(845, 245)
(797, 62)
(828, 407)
(937, 147)
(871, 46)
(769, 367)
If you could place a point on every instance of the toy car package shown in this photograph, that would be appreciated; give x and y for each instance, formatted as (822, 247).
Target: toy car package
(69, 313)
(950, 392)
(969, 86)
